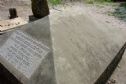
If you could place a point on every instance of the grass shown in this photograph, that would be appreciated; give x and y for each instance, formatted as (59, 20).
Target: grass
(97, 1)
(55, 2)
(120, 11)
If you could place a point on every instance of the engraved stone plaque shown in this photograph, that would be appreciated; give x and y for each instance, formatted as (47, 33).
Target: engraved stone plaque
(23, 52)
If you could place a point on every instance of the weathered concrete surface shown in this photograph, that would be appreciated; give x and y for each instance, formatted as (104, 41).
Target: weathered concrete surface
(82, 47)
(45, 73)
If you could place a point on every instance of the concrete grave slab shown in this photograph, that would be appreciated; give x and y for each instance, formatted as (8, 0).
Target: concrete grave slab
(24, 52)
(83, 47)
(30, 40)
(80, 48)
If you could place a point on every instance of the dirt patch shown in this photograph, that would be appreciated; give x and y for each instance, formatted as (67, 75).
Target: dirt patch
(23, 8)
(106, 14)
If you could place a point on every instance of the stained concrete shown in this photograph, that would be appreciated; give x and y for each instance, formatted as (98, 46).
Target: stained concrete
(81, 47)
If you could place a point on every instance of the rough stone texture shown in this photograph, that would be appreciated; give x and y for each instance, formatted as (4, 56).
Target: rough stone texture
(40, 8)
(82, 48)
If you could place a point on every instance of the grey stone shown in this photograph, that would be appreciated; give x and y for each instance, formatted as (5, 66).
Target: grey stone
(83, 47)
(45, 73)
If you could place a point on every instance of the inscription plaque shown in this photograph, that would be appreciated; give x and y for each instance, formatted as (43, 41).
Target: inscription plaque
(23, 52)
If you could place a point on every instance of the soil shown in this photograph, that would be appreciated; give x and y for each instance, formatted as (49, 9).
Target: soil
(108, 14)
(23, 8)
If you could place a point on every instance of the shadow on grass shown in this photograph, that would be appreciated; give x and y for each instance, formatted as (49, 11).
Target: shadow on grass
(120, 11)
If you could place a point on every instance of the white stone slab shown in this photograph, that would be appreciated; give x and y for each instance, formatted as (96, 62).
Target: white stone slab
(23, 52)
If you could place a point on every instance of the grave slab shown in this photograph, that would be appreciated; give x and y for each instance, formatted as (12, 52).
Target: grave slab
(83, 47)
(71, 47)
(27, 53)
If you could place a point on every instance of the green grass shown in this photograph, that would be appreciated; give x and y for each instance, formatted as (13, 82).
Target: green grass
(98, 1)
(55, 2)
(120, 11)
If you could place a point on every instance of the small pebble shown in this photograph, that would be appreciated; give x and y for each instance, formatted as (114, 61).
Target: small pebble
(18, 22)
(8, 24)
(118, 66)
(111, 81)
(107, 21)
